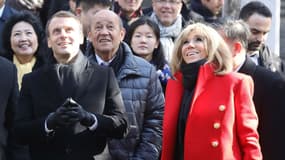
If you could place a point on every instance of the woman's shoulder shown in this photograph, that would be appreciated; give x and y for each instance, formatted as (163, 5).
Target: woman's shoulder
(238, 78)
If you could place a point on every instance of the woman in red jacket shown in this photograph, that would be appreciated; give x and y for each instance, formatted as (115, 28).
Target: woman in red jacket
(209, 113)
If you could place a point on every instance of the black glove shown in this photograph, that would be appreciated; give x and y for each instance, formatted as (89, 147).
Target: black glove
(61, 117)
(84, 117)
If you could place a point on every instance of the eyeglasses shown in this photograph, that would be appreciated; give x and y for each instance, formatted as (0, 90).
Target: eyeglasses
(171, 2)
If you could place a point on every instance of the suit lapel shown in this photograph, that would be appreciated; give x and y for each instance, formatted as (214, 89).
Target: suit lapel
(84, 80)
(248, 67)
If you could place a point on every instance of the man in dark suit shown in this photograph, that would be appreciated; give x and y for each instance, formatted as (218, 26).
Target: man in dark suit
(259, 17)
(269, 91)
(68, 109)
(8, 100)
(7, 11)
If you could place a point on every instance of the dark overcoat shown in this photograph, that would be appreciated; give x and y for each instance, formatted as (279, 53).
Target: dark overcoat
(269, 101)
(94, 88)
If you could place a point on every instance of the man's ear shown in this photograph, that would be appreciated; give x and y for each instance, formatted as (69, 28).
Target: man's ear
(237, 47)
(123, 33)
(78, 11)
(48, 42)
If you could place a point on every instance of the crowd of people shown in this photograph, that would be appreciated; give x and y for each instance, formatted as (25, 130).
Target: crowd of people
(113, 80)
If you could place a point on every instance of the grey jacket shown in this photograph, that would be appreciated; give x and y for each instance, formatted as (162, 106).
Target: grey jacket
(271, 61)
(144, 101)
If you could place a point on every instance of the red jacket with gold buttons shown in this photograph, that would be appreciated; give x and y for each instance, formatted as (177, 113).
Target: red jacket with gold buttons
(222, 122)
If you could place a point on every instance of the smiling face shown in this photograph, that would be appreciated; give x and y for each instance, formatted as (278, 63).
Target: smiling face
(144, 41)
(193, 48)
(65, 37)
(24, 40)
(167, 11)
(106, 34)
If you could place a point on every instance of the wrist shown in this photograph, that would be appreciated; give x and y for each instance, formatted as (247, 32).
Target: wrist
(88, 120)
(49, 124)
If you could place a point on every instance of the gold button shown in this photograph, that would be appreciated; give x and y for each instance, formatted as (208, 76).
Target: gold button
(222, 108)
(217, 125)
(215, 144)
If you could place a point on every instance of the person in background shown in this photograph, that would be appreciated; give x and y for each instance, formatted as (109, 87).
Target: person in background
(167, 15)
(144, 40)
(269, 90)
(209, 112)
(259, 17)
(209, 11)
(50, 7)
(129, 11)
(141, 90)
(69, 108)
(33, 6)
(85, 10)
(72, 5)
(6, 12)
(24, 38)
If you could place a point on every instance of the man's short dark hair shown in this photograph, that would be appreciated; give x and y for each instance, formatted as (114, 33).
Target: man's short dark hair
(23, 16)
(87, 4)
(62, 14)
(254, 7)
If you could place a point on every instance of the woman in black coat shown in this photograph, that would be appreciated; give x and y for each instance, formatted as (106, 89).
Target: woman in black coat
(23, 35)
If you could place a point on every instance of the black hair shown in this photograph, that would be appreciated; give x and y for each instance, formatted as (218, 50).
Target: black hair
(23, 16)
(158, 57)
(87, 4)
(254, 7)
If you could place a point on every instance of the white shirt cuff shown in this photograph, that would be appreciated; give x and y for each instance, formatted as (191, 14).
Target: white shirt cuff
(46, 128)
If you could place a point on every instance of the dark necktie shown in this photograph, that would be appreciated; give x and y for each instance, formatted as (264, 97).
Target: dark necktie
(67, 80)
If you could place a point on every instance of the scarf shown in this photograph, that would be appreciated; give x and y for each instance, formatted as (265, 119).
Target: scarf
(168, 34)
(190, 73)
(23, 68)
(118, 60)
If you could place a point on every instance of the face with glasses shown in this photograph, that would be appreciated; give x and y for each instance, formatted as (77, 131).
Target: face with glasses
(167, 10)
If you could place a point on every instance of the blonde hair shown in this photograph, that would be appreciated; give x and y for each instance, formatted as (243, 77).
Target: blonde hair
(217, 50)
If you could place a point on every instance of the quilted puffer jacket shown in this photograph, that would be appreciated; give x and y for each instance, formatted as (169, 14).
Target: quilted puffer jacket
(144, 102)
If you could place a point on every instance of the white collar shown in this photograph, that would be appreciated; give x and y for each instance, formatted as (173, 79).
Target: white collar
(100, 61)
(238, 68)
(2, 10)
(254, 57)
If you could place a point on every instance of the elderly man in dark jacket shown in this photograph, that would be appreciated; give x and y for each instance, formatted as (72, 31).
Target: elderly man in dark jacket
(269, 91)
(140, 87)
(69, 108)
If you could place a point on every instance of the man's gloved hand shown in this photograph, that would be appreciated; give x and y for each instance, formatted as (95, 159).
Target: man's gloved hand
(62, 117)
(85, 118)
